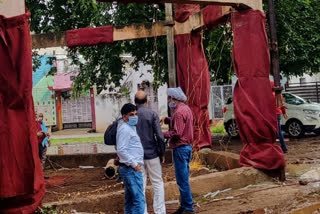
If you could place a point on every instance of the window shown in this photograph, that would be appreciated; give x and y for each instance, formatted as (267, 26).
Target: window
(293, 100)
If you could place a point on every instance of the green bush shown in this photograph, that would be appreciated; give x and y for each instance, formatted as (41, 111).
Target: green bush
(218, 130)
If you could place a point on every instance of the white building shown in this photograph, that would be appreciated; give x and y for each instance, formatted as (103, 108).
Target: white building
(108, 104)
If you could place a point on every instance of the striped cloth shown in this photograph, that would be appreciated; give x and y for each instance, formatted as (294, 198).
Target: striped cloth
(181, 127)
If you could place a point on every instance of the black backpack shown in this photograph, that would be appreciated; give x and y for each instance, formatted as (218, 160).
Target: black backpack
(110, 136)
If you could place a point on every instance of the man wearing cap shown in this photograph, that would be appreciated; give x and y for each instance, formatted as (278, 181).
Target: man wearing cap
(152, 140)
(181, 137)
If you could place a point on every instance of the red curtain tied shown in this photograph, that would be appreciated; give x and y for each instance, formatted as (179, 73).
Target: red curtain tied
(89, 36)
(21, 179)
(183, 11)
(254, 105)
(212, 16)
(194, 79)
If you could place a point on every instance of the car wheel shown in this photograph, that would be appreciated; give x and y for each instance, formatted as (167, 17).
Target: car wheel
(295, 128)
(232, 129)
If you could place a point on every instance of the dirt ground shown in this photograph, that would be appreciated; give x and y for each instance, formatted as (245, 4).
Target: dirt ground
(272, 197)
(301, 151)
(276, 197)
(73, 183)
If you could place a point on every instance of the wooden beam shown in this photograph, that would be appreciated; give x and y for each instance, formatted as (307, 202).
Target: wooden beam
(135, 31)
(129, 32)
(48, 40)
(170, 47)
(253, 4)
(10, 8)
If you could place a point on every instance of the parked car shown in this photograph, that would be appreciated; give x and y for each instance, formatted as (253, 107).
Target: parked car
(303, 117)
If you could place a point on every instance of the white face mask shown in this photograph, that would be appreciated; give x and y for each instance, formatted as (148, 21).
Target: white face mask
(172, 104)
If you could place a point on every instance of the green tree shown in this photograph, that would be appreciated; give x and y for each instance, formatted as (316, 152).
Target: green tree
(103, 64)
(298, 24)
(298, 33)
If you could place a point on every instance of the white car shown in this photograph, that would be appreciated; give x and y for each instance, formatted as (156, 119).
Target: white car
(303, 116)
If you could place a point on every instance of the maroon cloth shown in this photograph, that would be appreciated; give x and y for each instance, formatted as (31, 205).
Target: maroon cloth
(212, 16)
(194, 79)
(254, 104)
(21, 179)
(39, 129)
(181, 127)
(89, 36)
(183, 11)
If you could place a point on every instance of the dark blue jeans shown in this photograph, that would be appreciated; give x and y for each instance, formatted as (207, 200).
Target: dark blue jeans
(182, 156)
(133, 187)
(281, 138)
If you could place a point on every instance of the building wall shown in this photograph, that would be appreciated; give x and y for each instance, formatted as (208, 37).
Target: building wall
(305, 78)
(108, 105)
(43, 98)
(107, 108)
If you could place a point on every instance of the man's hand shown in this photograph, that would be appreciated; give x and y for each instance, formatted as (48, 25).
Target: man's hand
(285, 116)
(162, 121)
(116, 161)
(162, 159)
(137, 168)
(49, 143)
(40, 134)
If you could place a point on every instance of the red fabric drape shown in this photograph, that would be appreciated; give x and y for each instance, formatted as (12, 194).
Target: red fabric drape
(253, 101)
(183, 11)
(212, 16)
(89, 36)
(21, 179)
(194, 79)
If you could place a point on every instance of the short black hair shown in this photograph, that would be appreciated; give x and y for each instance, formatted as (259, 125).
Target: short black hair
(127, 108)
(140, 101)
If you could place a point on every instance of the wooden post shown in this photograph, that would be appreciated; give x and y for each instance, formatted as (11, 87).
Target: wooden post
(274, 48)
(10, 8)
(93, 109)
(57, 95)
(170, 47)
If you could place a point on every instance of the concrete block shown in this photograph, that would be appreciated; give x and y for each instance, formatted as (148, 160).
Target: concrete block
(220, 159)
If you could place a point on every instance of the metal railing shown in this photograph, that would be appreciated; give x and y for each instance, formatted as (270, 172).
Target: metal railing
(308, 90)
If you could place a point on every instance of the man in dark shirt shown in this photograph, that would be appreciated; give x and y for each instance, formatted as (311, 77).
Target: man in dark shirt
(152, 140)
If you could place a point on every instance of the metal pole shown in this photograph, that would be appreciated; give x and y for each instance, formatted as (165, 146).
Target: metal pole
(317, 89)
(170, 46)
(274, 47)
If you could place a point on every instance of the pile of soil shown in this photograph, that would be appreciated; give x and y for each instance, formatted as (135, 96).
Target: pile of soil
(68, 184)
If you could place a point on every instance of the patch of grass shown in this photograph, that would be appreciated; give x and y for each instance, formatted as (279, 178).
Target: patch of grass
(57, 142)
(46, 210)
(218, 130)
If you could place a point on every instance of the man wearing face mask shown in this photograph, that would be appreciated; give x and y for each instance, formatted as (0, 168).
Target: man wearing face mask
(130, 153)
(181, 136)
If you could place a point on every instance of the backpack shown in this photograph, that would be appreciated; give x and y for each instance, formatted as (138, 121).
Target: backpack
(110, 135)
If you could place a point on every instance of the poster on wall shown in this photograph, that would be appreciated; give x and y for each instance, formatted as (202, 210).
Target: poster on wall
(76, 110)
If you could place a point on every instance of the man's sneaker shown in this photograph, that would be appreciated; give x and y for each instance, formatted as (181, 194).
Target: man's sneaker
(179, 211)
